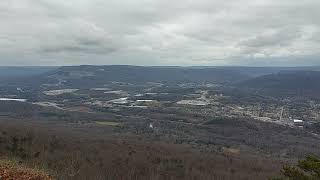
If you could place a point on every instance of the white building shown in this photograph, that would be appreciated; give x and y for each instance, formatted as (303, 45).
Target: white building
(298, 122)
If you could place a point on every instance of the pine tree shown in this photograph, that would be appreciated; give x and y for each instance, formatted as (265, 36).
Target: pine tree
(307, 169)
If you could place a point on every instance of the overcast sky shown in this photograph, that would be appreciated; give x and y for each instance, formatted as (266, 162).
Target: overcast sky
(160, 32)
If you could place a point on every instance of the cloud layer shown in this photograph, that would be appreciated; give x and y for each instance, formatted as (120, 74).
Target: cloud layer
(160, 32)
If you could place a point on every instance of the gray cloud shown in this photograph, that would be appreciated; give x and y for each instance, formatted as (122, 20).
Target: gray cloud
(283, 37)
(159, 32)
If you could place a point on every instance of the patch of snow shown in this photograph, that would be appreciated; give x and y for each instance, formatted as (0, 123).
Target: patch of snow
(47, 104)
(59, 92)
(192, 102)
(100, 89)
(151, 93)
(120, 101)
(10, 99)
(145, 100)
(119, 92)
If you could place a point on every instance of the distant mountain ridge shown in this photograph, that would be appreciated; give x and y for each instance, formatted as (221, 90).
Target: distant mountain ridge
(302, 82)
(95, 75)
(23, 75)
(22, 71)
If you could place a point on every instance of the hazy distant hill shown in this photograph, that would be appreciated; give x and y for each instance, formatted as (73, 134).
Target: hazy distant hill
(90, 76)
(23, 71)
(97, 75)
(302, 82)
(260, 71)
